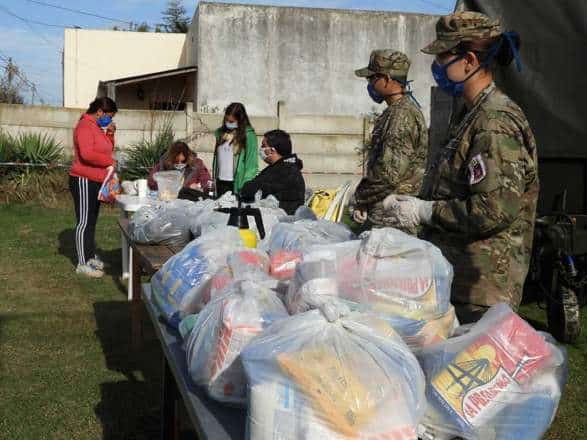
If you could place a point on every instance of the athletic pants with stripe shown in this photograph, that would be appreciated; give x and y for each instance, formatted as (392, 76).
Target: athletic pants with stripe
(87, 207)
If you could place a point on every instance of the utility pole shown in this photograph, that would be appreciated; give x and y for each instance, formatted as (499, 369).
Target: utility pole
(33, 90)
(10, 71)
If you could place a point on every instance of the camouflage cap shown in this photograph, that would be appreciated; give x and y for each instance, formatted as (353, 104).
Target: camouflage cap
(463, 26)
(387, 61)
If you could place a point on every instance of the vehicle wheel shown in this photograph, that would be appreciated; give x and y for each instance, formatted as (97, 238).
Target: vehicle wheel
(563, 315)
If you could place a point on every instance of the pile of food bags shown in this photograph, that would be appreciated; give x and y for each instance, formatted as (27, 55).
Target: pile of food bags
(166, 223)
(222, 329)
(501, 380)
(179, 283)
(288, 241)
(387, 272)
(332, 374)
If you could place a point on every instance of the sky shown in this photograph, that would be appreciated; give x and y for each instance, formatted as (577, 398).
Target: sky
(36, 48)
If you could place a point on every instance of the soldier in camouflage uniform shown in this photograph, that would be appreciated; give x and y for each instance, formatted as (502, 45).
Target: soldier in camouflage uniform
(397, 150)
(481, 188)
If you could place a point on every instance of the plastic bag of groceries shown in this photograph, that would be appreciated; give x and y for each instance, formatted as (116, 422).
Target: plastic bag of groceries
(177, 285)
(501, 380)
(166, 223)
(221, 331)
(332, 375)
(288, 241)
(388, 272)
(241, 265)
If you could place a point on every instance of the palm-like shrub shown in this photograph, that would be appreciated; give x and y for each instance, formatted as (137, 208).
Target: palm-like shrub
(141, 156)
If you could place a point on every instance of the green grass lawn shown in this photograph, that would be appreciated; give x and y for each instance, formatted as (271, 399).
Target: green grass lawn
(67, 370)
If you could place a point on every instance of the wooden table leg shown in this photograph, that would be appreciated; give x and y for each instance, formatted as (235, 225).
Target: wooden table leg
(136, 306)
(169, 417)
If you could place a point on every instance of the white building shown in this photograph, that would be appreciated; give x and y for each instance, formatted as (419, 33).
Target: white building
(258, 55)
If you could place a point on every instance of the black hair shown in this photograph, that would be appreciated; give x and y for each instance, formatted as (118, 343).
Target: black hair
(483, 48)
(105, 104)
(280, 141)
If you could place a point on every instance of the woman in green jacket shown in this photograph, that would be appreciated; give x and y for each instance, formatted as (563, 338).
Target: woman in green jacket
(235, 154)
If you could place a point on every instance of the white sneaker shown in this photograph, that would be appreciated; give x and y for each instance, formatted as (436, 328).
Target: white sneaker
(89, 271)
(96, 263)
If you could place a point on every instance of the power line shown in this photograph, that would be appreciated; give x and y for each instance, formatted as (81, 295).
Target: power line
(77, 11)
(7, 11)
(14, 69)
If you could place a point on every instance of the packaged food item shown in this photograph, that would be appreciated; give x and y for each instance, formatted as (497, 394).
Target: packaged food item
(494, 379)
(110, 188)
(223, 328)
(289, 240)
(330, 375)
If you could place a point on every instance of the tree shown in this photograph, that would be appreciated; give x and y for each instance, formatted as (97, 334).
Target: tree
(175, 17)
(10, 88)
(143, 27)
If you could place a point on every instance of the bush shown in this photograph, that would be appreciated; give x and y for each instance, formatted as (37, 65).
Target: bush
(143, 155)
(23, 183)
(7, 142)
(37, 148)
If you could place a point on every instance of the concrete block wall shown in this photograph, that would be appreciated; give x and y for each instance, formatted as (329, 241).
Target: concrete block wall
(306, 57)
(327, 144)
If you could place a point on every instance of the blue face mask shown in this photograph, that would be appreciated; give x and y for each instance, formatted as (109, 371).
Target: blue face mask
(231, 125)
(104, 121)
(457, 88)
(447, 85)
(374, 94)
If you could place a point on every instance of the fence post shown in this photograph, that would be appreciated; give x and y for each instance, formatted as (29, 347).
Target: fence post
(189, 121)
(281, 112)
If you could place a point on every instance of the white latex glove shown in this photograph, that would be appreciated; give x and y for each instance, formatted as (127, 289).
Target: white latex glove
(359, 216)
(408, 211)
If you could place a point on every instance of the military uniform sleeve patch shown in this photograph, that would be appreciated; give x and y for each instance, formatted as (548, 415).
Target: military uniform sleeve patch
(477, 170)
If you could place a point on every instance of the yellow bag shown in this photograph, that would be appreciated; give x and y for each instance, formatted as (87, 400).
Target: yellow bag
(321, 200)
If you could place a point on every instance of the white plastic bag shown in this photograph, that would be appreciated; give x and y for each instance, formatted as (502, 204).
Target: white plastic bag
(343, 377)
(222, 329)
(501, 380)
(177, 285)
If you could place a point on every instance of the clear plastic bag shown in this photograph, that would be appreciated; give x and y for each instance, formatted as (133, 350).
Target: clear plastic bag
(164, 223)
(178, 284)
(288, 241)
(241, 265)
(387, 272)
(168, 184)
(345, 376)
(501, 380)
(222, 329)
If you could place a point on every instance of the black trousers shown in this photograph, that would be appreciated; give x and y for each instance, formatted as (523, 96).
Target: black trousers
(87, 208)
(223, 186)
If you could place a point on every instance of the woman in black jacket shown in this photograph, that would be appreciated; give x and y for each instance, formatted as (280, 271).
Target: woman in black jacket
(282, 177)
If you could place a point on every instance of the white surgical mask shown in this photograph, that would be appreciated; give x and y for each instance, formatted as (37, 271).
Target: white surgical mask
(180, 166)
(262, 154)
(231, 125)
